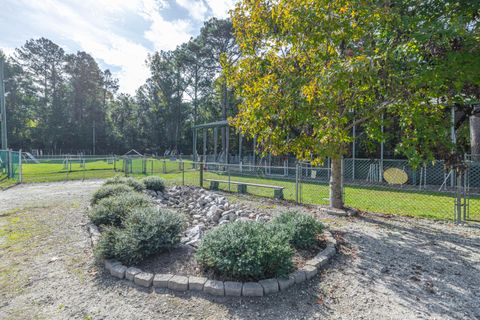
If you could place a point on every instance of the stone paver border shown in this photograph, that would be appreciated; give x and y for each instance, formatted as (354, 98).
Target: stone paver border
(182, 283)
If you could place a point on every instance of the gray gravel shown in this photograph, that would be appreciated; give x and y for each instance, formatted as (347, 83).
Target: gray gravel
(388, 268)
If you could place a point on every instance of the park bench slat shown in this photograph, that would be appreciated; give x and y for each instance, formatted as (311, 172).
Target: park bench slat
(247, 183)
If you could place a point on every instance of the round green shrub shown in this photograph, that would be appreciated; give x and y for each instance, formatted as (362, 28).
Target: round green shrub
(154, 183)
(110, 190)
(146, 231)
(300, 229)
(245, 251)
(112, 211)
(132, 182)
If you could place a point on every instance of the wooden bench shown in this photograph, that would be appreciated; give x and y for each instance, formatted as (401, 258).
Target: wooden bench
(242, 186)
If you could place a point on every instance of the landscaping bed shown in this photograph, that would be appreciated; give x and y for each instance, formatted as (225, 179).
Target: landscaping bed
(50, 271)
(188, 238)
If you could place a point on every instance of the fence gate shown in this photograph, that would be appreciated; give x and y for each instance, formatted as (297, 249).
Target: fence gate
(11, 164)
(312, 183)
(429, 191)
(467, 191)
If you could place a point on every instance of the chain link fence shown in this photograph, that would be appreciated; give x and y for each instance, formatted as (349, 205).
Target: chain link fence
(428, 191)
(69, 167)
(10, 165)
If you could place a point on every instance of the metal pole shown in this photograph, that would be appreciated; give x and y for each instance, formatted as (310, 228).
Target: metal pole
(228, 170)
(20, 174)
(183, 174)
(204, 143)
(458, 201)
(254, 149)
(240, 140)
(201, 174)
(227, 143)
(194, 151)
(93, 135)
(3, 109)
(380, 168)
(354, 133)
(296, 182)
(215, 143)
(454, 141)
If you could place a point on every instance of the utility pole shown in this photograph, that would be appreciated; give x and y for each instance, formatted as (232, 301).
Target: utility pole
(3, 109)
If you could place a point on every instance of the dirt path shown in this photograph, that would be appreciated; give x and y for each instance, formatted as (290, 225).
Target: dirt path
(389, 268)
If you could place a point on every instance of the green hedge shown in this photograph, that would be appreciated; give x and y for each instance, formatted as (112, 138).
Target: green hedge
(112, 211)
(146, 231)
(245, 251)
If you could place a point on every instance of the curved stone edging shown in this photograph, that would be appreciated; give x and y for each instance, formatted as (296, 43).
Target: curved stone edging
(220, 288)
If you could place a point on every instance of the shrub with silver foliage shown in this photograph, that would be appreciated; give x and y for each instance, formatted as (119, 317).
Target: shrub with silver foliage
(245, 251)
(146, 231)
(112, 211)
(110, 190)
(154, 183)
(131, 182)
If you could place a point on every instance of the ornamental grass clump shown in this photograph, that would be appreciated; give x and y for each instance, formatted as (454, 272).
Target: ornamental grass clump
(113, 211)
(245, 251)
(299, 229)
(146, 231)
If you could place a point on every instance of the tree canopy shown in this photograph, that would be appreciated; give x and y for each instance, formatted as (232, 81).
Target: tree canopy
(58, 101)
(311, 70)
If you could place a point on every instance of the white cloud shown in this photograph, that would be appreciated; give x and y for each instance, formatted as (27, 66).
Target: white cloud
(220, 8)
(196, 8)
(100, 27)
(165, 35)
(91, 24)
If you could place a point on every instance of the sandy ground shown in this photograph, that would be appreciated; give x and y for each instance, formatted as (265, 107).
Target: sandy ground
(387, 268)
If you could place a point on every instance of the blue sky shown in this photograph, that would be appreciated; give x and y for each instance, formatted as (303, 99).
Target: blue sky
(118, 34)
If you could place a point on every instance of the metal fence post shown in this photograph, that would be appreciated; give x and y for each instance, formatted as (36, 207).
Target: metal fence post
(20, 166)
(201, 174)
(183, 173)
(228, 172)
(10, 164)
(342, 178)
(296, 182)
(458, 200)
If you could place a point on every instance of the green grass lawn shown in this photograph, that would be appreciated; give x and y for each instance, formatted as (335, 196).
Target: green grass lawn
(434, 205)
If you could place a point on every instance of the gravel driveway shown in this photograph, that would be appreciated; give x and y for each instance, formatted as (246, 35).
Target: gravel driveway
(388, 268)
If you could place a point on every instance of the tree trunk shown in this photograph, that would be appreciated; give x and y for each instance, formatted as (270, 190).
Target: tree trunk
(336, 192)
(475, 134)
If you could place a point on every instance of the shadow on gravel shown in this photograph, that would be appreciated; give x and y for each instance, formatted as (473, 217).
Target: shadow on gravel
(427, 268)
